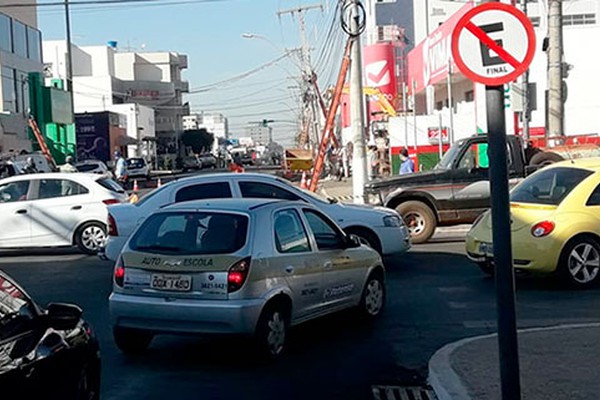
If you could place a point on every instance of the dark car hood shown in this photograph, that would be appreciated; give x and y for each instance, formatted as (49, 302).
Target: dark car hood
(416, 179)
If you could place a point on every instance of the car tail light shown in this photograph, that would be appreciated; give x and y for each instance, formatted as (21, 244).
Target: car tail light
(237, 275)
(108, 202)
(119, 272)
(112, 226)
(542, 229)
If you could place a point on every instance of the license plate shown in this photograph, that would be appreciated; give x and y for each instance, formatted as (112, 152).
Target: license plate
(487, 249)
(173, 283)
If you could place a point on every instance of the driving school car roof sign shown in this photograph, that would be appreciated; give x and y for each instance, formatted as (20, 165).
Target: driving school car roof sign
(493, 44)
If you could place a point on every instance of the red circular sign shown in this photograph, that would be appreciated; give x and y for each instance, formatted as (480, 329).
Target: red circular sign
(520, 66)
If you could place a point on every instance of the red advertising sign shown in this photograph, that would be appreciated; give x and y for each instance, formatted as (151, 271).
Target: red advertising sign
(433, 134)
(428, 61)
(380, 72)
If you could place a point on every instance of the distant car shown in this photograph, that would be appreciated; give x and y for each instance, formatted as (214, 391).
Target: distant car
(93, 167)
(56, 209)
(381, 228)
(555, 224)
(250, 267)
(138, 167)
(207, 160)
(48, 353)
(191, 163)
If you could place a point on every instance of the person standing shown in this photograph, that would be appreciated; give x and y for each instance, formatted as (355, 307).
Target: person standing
(407, 166)
(120, 167)
(372, 158)
(30, 167)
(68, 166)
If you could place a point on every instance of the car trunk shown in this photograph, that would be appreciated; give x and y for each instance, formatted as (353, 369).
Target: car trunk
(525, 216)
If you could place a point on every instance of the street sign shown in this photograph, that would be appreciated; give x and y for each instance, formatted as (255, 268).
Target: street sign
(493, 44)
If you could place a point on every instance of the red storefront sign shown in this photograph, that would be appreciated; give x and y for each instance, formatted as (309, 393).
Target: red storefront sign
(428, 61)
(380, 73)
(433, 134)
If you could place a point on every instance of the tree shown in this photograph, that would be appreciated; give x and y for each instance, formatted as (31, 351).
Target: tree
(200, 140)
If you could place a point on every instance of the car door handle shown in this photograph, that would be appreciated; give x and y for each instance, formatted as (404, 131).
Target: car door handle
(76, 208)
(21, 211)
(289, 269)
(328, 265)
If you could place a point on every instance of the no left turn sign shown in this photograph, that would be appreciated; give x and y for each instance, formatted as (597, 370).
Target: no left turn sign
(493, 44)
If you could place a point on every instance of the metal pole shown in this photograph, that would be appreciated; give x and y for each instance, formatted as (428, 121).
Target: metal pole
(450, 106)
(404, 106)
(357, 118)
(414, 94)
(501, 238)
(555, 109)
(440, 137)
(525, 90)
(69, 56)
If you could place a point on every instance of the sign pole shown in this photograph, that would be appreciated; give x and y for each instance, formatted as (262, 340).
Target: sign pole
(501, 237)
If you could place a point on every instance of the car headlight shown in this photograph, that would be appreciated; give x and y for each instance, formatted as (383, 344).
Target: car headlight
(373, 199)
(392, 221)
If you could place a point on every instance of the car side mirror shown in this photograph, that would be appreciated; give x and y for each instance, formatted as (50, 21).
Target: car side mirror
(352, 241)
(62, 316)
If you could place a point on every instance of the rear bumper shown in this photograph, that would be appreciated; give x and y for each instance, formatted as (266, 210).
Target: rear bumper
(113, 247)
(393, 240)
(162, 315)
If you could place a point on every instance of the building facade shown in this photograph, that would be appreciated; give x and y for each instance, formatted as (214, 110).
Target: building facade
(260, 135)
(20, 53)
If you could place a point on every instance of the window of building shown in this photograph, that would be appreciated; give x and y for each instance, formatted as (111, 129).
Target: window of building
(535, 21)
(34, 44)
(5, 33)
(9, 95)
(19, 39)
(470, 95)
(579, 19)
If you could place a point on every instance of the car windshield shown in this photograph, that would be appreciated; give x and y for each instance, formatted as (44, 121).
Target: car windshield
(135, 163)
(191, 233)
(449, 157)
(548, 186)
(87, 167)
(110, 184)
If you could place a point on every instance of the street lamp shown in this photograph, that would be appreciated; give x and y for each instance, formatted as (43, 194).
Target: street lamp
(249, 35)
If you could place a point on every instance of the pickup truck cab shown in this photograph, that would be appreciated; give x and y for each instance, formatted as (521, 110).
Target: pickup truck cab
(455, 192)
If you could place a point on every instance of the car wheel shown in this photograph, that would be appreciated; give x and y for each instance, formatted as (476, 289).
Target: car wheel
(486, 268)
(87, 389)
(131, 341)
(366, 237)
(90, 237)
(579, 263)
(271, 332)
(373, 297)
(419, 219)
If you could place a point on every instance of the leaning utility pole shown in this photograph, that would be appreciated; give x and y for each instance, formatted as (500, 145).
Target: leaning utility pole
(353, 24)
(555, 109)
(308, 95)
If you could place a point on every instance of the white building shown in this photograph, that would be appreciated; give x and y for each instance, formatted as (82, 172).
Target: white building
(20, 53)
(129, 83)
(214, 123)
(260, 135)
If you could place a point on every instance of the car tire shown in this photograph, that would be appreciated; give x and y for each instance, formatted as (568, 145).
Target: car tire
(366, 237)
(131, 341)
(486, 268)
(90, 237)
(88, 387)
(579, 263)
(419, 219)
(372, 301)
(544, 158)
(272, 331)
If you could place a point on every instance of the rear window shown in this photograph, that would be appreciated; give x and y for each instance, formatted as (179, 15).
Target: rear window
(135, 163)
(86, 167)
(549, 186)
(190, 233)
(110, 184)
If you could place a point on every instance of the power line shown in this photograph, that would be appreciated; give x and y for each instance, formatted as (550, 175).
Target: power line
(92, 2)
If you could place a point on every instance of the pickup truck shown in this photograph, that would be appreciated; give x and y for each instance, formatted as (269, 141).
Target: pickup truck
(457, 190)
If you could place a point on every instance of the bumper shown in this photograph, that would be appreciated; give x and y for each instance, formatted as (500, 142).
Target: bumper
(393, 240)
(536, 255)
(185, 316)
(113, 247)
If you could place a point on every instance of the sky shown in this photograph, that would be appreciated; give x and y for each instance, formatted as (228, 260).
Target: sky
(210, 33)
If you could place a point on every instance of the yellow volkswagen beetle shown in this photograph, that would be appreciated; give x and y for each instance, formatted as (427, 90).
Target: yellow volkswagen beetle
(555, 224)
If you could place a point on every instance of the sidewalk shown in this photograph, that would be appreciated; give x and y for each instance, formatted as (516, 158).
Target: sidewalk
(556, 363)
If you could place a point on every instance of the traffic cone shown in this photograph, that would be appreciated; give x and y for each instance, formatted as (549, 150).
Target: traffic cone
(159, 183)
(135, 186)
(303, 184)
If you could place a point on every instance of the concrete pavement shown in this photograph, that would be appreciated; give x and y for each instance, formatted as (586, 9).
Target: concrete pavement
(559, 362)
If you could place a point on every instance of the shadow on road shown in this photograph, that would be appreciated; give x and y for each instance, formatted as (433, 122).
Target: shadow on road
(44, 251)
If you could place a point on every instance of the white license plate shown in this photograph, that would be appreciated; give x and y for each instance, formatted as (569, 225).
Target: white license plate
(174, 283)
(487, 249)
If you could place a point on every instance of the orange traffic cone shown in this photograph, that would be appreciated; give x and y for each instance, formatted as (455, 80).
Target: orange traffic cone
(303, 184)
(135, 186)
(159, 183)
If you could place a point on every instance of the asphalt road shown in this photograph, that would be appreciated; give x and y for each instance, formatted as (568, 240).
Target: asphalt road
(435, 296)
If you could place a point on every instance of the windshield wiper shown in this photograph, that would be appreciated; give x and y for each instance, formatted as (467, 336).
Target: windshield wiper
(158, 247)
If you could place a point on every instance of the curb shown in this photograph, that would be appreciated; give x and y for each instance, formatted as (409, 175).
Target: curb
(447, 384)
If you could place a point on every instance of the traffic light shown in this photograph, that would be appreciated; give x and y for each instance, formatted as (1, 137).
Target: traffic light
(265, 122)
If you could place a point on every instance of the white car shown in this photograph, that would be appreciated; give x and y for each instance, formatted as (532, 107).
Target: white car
(380, 228)
(93, 167)
(137, 168)
(56, 209)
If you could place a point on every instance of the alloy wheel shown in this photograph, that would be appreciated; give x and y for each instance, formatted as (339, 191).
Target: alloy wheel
(276, 333)
(374, 297)
(584, 263)
(415, 223)
(93, 237)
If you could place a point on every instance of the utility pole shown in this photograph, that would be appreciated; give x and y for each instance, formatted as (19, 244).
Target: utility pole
(309, 96)
(526, 113)
(69, 58)
(354, 25)
(555, 109)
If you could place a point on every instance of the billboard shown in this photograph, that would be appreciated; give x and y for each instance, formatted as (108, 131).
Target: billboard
(92, 132)
(380, 73)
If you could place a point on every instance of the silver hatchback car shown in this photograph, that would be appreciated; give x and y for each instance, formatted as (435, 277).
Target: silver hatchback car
(250, 267)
